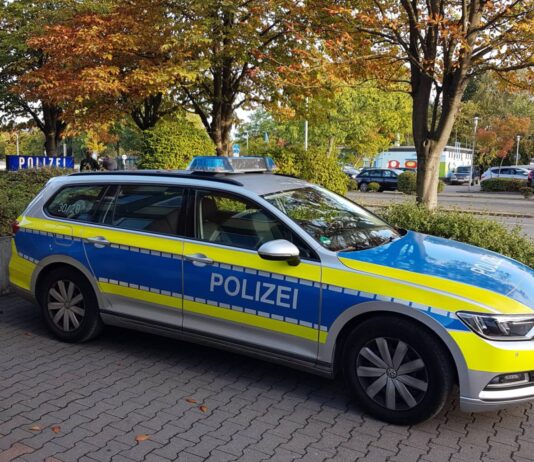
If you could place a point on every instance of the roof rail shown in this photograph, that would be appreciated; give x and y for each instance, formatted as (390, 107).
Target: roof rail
(155, 173)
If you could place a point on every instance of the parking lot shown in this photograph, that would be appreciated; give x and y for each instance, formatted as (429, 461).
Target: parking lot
(130, 396)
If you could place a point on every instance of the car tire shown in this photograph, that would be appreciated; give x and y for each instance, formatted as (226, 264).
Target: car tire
(418, 378)
(364, 187)
(69, 306)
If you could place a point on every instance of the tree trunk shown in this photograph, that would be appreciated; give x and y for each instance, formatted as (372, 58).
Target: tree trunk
(52, 128)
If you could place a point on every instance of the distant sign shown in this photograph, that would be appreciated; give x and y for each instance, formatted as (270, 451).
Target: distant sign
(236, 149)
(14, 163)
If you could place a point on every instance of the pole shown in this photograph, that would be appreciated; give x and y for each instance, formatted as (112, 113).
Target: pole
(18, 148)
(306, 127)
(64, 148)
(517, 150)
(475, 120)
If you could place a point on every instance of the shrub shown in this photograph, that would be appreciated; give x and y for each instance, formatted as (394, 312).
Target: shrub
(353, 185)
(527, 192)
(463, 227)
(373, 187)
(17, 189)
(502, 185)
(173, 142)
(408, 183)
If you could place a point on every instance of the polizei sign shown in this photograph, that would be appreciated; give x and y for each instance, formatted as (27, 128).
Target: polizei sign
(14, 163)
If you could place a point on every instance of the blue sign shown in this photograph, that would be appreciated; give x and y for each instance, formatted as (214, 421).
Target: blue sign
(236, 149)
(14, 163)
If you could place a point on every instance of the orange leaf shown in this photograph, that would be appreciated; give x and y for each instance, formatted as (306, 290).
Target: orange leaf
(203, 408)
(56, 428)
(36, 428)
(28, 334)
(191, 400)
(142, 437)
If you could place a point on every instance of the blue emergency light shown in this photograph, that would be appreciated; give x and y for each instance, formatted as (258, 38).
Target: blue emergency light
(220, 164)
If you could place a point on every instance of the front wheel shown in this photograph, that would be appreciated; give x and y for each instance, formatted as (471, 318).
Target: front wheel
(69, 306)
(398, 371)
(364, 187)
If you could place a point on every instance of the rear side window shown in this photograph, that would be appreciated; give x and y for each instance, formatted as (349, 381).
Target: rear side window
(150, 208)
(76, 203)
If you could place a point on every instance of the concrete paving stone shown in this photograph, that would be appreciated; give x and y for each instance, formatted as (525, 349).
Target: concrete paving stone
(175, 446)
(296, 442)
(206, 446)
(76, 452)
(348, 455)
(408, 454)
(140, 450)
(102, 437)
(14, 451)
(237, 445)
(16, 436)
(437, 453)
(283, 455)
(39, 455)
(100, 421)
(105, 453)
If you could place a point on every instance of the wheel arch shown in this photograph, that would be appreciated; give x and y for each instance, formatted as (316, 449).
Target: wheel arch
(51, 263)
(331, 351)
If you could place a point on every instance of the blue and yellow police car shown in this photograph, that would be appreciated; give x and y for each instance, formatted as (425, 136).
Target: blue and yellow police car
(232, 255)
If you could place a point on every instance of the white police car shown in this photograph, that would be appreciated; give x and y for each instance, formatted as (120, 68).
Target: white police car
(281, 269)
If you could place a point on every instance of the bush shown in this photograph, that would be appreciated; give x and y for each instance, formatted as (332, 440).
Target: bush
(17, 189)
(353, 185)
(312, 165)
(527, 192)
(502, 185)
(373, 187)
(463, 227)
(173, 142)
(408, 183)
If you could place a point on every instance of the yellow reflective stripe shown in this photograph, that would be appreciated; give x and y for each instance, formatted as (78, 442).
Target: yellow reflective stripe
(477, 294)
(143, 295)
(282, 327)
(168, 244)
(483, 356)
(20, 270)
(253, 260)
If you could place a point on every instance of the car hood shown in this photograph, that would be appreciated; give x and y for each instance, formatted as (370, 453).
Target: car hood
(452, 260)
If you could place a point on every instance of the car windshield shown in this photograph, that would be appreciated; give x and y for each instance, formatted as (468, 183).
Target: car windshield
(463, 169)
(335, 222)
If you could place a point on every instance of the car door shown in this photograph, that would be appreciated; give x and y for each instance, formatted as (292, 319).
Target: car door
(231, 293)
(389, 180)
(136, 251)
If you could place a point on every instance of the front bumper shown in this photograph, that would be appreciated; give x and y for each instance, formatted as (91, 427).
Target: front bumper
(497, 399)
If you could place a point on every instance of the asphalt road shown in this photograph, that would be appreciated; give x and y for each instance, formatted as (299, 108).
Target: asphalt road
(509, 208)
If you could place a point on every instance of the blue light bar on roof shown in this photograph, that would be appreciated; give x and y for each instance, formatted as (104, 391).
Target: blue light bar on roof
(220, 164)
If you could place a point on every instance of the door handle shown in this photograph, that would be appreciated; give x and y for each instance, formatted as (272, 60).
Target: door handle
(98, 241)
(199, 259)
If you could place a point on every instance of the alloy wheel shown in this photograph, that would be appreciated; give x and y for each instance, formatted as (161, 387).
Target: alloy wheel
(65, 305)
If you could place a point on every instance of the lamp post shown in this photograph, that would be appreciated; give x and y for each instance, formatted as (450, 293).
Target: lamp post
(306, 127)
(18, 148)
(518, 138)
(475, 121)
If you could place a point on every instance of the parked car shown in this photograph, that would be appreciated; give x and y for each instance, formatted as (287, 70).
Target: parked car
(518, 173)
(351, 172)
(387, 178)
(230, 255)
(530, 179)
(460, 175)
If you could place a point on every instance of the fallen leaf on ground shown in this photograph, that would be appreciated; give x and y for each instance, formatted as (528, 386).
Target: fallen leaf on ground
(191, 400)
(56, 428)
(28, 334)
(35, 428)
(140, 438)
(203, 408)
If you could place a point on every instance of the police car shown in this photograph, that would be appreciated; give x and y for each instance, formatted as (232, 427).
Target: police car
(231, 255)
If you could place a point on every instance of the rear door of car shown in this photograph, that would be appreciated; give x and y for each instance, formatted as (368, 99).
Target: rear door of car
(135, 251)
(389, 179)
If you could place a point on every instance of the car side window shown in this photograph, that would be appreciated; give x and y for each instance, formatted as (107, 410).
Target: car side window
(227, 219)
(364, 174)
(76, 202)
(149, 208)
(388, 174)
(506, 171)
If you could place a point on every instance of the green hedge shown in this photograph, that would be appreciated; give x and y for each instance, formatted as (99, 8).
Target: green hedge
(17, 189)
(463, 227)
(502, 185)
(408, 183)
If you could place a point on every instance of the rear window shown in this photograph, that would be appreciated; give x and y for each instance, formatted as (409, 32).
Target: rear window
(76, 202)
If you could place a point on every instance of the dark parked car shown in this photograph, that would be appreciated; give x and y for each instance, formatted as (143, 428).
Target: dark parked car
(530, 179)
(387, 178)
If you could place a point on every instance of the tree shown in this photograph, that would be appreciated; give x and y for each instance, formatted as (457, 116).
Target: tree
(444, 44)
(210, 57)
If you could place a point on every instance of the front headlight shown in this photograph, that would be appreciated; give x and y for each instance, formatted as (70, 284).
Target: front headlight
(500, 326)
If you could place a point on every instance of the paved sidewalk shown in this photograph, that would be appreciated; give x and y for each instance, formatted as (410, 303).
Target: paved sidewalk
(61, 402)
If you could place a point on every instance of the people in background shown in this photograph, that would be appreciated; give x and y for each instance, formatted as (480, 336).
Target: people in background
(109, 163)
(88, 163)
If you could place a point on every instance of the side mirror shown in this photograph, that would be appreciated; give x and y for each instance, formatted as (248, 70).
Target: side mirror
(280, 250)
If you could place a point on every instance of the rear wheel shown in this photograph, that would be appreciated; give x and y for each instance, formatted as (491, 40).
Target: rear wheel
(69, 306)
(397, 370)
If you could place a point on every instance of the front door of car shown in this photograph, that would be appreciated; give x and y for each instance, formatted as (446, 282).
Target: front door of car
(136, 253)
(389, 179)
(231, 293)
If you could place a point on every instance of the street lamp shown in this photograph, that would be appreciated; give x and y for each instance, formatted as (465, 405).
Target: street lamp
(306, 127)
(518, 138)
(475, 121)
(18, 149)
